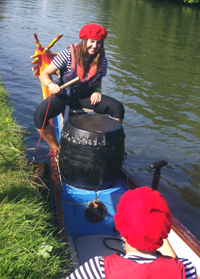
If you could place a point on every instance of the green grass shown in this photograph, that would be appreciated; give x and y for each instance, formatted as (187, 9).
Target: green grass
(29, 245)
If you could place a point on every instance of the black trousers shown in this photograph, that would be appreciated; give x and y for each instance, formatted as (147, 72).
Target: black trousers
(58, 102)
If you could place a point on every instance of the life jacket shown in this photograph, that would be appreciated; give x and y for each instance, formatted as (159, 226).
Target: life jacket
(163, 267)
(88, 80)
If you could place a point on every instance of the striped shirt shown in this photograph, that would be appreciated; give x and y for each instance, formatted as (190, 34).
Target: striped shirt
(94, 268)
(63, 59)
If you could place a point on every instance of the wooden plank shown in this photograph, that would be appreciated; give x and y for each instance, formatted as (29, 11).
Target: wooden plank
(186, 236)
(58, 207)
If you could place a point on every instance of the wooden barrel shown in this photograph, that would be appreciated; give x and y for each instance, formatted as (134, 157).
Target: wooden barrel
(91, 151)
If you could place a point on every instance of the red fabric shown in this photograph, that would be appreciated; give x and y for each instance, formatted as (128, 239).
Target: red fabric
(93, 31)
(163, 267)
(80, 71)
(143, 218)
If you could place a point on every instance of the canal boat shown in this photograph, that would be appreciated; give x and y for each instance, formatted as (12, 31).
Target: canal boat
(89, 178)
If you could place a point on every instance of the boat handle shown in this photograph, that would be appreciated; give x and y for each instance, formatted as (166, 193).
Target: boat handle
(157, 166)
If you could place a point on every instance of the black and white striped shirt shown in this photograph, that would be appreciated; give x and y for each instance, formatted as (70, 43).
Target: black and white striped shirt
(63, 59)
(94, 268)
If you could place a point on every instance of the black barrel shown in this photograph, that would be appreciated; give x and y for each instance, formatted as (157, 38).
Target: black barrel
(91, 151)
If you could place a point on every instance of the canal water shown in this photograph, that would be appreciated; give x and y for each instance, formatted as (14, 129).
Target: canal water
(153, 49)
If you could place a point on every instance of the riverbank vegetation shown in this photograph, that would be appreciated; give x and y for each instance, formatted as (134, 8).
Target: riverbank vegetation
(187, 1)
(29, 245)
(191, 1)
(194, 2)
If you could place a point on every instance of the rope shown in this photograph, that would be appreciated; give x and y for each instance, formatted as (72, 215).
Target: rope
(110, 238)
(93, 202)
(55, 149)
(72, 203)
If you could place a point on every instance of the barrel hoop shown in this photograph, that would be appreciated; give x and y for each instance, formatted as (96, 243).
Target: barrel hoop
(92, 139)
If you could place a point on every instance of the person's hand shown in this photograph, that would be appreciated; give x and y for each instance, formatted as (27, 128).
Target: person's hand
(54, 88)
(95, 98)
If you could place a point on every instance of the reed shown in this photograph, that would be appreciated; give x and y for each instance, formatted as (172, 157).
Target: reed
(29, 245)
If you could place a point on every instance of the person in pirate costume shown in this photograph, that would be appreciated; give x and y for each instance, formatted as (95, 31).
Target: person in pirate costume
(86, 60)
(144, 221)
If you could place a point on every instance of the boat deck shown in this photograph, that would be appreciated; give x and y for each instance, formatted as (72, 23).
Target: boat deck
(94, 245)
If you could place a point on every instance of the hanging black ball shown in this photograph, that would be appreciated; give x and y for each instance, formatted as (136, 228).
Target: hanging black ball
(96, 211)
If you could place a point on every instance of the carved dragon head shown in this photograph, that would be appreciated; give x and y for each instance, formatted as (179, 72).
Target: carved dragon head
(42, 55)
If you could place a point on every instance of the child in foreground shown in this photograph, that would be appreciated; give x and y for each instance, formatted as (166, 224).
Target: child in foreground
(144, 220)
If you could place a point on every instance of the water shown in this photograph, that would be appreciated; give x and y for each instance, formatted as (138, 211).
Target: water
(153, 50)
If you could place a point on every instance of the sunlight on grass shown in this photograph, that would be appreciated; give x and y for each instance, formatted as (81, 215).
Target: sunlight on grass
(29, 245)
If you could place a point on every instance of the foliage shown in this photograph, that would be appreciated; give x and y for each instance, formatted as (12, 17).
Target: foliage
(191, 1)
(29, 246)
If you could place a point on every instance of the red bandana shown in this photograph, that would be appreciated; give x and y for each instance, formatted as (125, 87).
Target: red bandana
(143, 218)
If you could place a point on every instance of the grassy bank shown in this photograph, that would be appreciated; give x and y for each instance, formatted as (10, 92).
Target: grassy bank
(29, 247)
